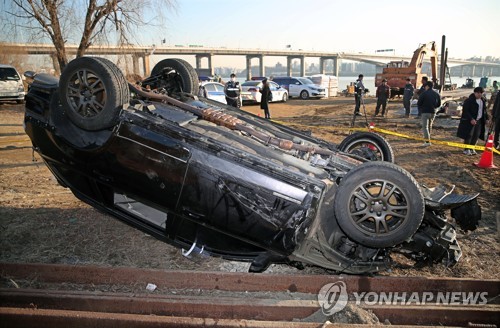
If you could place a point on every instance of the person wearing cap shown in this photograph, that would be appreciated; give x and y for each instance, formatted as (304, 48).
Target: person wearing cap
(428, 103)
(383, 94)
(407, 96)
(232, 90)
(473, 121)
(264, 101)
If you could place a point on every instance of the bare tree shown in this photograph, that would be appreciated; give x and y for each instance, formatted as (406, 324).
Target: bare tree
(104, 21)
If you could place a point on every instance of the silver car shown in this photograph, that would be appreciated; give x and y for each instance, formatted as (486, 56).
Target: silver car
(11, 84)
(213, 91)
(250, 91)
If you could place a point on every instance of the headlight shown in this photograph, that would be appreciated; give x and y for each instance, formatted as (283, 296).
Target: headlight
(20, 88)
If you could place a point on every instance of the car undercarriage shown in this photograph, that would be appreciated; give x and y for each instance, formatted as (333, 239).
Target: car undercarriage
(201, 175)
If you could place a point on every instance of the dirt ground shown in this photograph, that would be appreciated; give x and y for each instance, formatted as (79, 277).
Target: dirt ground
(41, 221)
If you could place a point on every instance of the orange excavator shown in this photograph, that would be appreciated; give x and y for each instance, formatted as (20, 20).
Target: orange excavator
(396, 72)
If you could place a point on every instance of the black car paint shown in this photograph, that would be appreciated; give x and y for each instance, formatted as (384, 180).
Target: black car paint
(206, 185)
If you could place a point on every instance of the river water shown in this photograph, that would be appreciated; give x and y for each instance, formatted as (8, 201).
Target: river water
(369, 81)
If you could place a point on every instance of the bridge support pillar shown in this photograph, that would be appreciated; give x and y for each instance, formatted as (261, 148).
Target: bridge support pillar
(145, 65)
(482, 71)
(209, 58)
(323, 60)
(302, 68)
(249, 65)
(473, 72)
(135, 64)
(289, 66)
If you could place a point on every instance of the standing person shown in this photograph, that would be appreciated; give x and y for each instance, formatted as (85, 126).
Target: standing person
(428, 102)
(264, 101)
(407, 95)
(383, 94)
(359, 91)
(473, 121)
(232, 90)
(496, 120)
(494, 93)
(425, 79)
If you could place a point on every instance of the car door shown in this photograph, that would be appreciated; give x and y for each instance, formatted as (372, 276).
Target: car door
(275, 90)
(294, 88)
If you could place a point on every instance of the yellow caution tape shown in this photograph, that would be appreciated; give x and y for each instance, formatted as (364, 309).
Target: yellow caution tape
(396, 134)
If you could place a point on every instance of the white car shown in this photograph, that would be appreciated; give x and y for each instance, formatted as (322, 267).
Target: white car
(250, 91)
(213, 91)
(11, 84)
(300, 87)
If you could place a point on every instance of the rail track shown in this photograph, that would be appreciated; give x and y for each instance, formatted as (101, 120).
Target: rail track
(44, 295)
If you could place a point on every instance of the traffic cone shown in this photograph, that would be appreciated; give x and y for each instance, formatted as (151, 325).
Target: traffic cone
(486, 161)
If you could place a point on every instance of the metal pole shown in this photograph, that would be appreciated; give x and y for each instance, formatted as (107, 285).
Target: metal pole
(443, 64)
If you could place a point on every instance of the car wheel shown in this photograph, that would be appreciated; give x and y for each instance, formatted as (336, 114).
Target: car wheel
(285, 97)
(188, 76)
(93, 91)
(304, 95)
(379, 204)
(368, 145)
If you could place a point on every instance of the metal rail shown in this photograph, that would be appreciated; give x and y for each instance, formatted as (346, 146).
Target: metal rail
(191, 298)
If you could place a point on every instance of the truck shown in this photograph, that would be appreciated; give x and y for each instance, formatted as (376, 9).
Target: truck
(396, 72)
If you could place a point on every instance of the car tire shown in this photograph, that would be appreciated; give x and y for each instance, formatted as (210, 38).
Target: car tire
(379, 204)
(93, 91)
(304, 95)
(285, 97)
(368, 145)
(187, 74)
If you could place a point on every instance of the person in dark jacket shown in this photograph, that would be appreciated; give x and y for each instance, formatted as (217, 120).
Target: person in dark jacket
(473, 121)
(496, 120)
(407, 95)
(424, 81)
(428, 103)
(383, 94)
(232, 90)
(264, 101)
(359, 91)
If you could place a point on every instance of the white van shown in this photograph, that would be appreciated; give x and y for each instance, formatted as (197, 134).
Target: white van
(11, 85)
(300, 87)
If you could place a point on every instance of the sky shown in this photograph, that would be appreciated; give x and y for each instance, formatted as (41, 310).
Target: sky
(471, 26)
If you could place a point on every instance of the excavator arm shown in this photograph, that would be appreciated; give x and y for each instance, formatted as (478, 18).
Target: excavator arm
(418, 59)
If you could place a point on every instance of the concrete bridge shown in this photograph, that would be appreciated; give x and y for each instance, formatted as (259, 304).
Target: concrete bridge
(144, 52)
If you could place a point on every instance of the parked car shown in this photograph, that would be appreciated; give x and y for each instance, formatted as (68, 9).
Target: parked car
(300, 87)
(11, 84)
(213, 91)
(250, 91)
(223, 181)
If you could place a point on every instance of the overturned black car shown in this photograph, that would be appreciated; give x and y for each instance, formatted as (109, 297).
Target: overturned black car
(201, 175)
